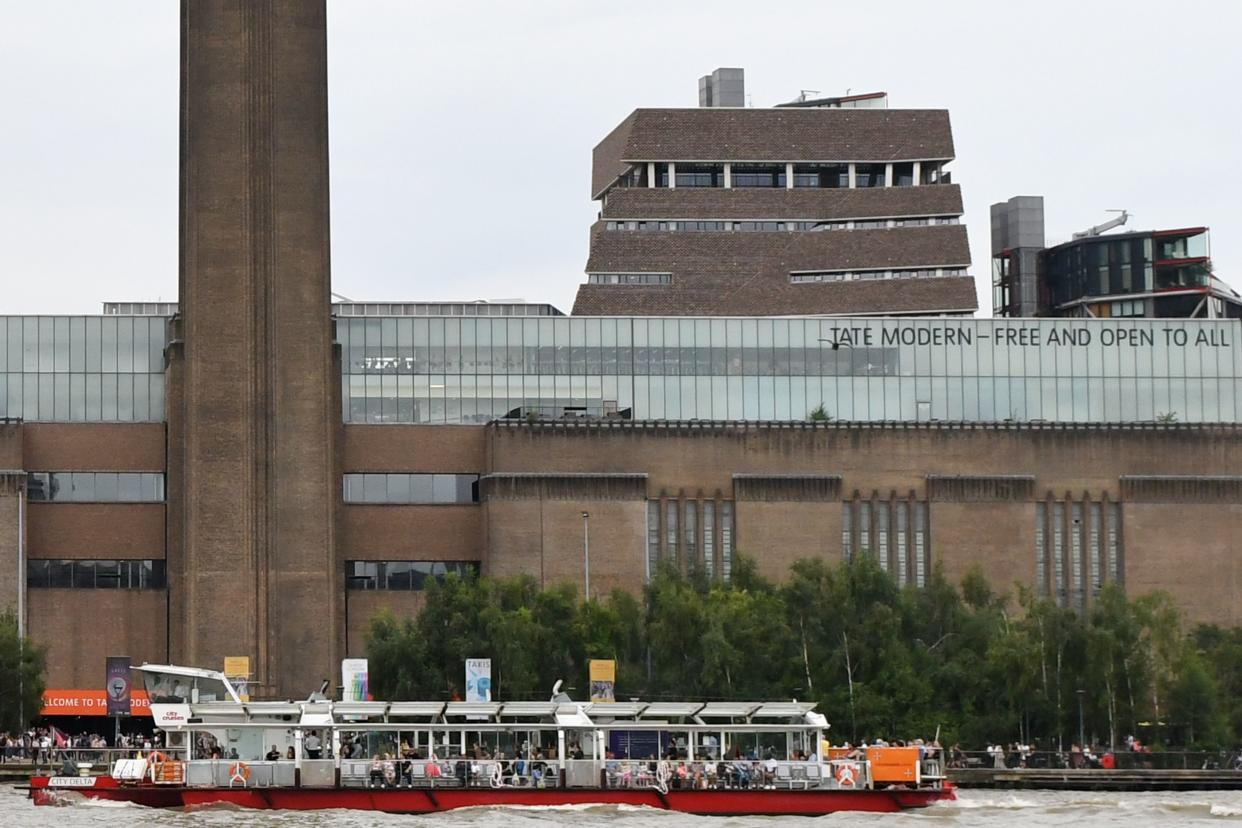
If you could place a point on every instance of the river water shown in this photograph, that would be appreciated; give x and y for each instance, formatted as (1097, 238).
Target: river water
(994, 809)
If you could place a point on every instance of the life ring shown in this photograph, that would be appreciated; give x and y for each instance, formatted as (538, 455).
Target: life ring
(239, 772)
(845, 774)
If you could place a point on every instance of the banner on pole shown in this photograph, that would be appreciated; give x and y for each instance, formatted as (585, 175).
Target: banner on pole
(118, 684)
(237, 670)
(478, 679)
(354, 679)
(603, 680)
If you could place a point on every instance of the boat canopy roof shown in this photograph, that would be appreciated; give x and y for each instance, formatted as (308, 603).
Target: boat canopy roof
(638, 714)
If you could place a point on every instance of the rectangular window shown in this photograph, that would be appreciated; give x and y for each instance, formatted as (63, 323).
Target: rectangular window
(411, 489)
(758, 175)
(692, 539)
(653, 536)
(864, 528)
(709, 551)
(1058, 552)
(726, 539)
(1115, 568)
(1094, 551)
(1041, 549)
(881, 542)
(903, 542)
(670, 523)
(847, 530)
(1076, 527)
(869, 175)
(921, 550)
(108, 573)
(403, 576)
(96, 487)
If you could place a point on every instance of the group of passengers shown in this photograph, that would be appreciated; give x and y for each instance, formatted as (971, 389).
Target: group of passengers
(532, 767)
(737, 770)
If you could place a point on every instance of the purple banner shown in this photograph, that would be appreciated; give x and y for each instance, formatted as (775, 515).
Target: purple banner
(118, 685)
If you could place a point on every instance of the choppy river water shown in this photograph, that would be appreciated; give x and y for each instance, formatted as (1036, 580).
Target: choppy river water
(994, 809)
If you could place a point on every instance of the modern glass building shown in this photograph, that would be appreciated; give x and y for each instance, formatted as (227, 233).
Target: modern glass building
(469, 369)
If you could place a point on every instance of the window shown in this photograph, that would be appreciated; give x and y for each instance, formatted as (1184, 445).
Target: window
(1058, 552)
(758, 175)
(1093, 550)
(653, 536)
(1041, 548)
(670, 522)
(1115, 569)
(869, 175)
(864, 528)
(921, 545)
(95, 487)
(709, 551)
(629, 278)
(96, 574)
(903, 542)
(403, 576)
(821, 175)
(698, 175)
(1076, 583)
(411, 488)
(881, 547)
(692, 536)
(847, 530)
(726, 540)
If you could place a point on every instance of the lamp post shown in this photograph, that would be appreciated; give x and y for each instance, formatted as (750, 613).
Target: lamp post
(1082, 732)
(586, 553)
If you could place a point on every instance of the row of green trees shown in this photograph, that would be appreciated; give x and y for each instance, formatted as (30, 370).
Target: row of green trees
(880, 660)
(21, 676)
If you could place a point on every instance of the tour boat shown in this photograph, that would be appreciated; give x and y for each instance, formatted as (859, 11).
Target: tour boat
(710, 758)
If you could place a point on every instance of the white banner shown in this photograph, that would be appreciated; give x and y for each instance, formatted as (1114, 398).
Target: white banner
(354, 677)
(478, 679)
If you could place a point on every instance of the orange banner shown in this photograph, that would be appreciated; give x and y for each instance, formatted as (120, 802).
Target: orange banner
(89, 703)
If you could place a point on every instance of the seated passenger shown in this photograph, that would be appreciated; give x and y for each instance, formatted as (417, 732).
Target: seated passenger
(390, 771)
(289, 754)
(376, 777)
(273, 755)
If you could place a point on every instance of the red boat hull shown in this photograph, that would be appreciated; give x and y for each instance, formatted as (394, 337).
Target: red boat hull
(430, 800)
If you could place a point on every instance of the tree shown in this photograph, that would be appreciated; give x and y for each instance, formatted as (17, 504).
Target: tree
(819, 414)
(21, 676)
(1194, 703)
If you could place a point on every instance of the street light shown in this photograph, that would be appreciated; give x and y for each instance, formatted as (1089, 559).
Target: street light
(586, 552)
(1082, 734)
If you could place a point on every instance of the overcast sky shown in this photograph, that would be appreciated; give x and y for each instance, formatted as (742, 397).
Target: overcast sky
(461, 132)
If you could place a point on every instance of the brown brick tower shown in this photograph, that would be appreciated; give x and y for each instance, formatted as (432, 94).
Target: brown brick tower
(253, 410)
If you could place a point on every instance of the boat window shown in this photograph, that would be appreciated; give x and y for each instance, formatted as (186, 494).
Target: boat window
(170, 688)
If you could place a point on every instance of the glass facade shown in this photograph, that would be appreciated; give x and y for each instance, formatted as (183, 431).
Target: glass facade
(403, 575)
(473, 369)
(466, 370)
(411, 488)
(96, 574)
(82, 368)
(95, 487)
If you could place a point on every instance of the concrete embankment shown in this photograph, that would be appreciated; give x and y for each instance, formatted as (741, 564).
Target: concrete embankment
(1096, 780)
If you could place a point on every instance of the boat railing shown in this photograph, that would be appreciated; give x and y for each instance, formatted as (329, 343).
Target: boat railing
(728, 774)
(452, 773)
(234, 773)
